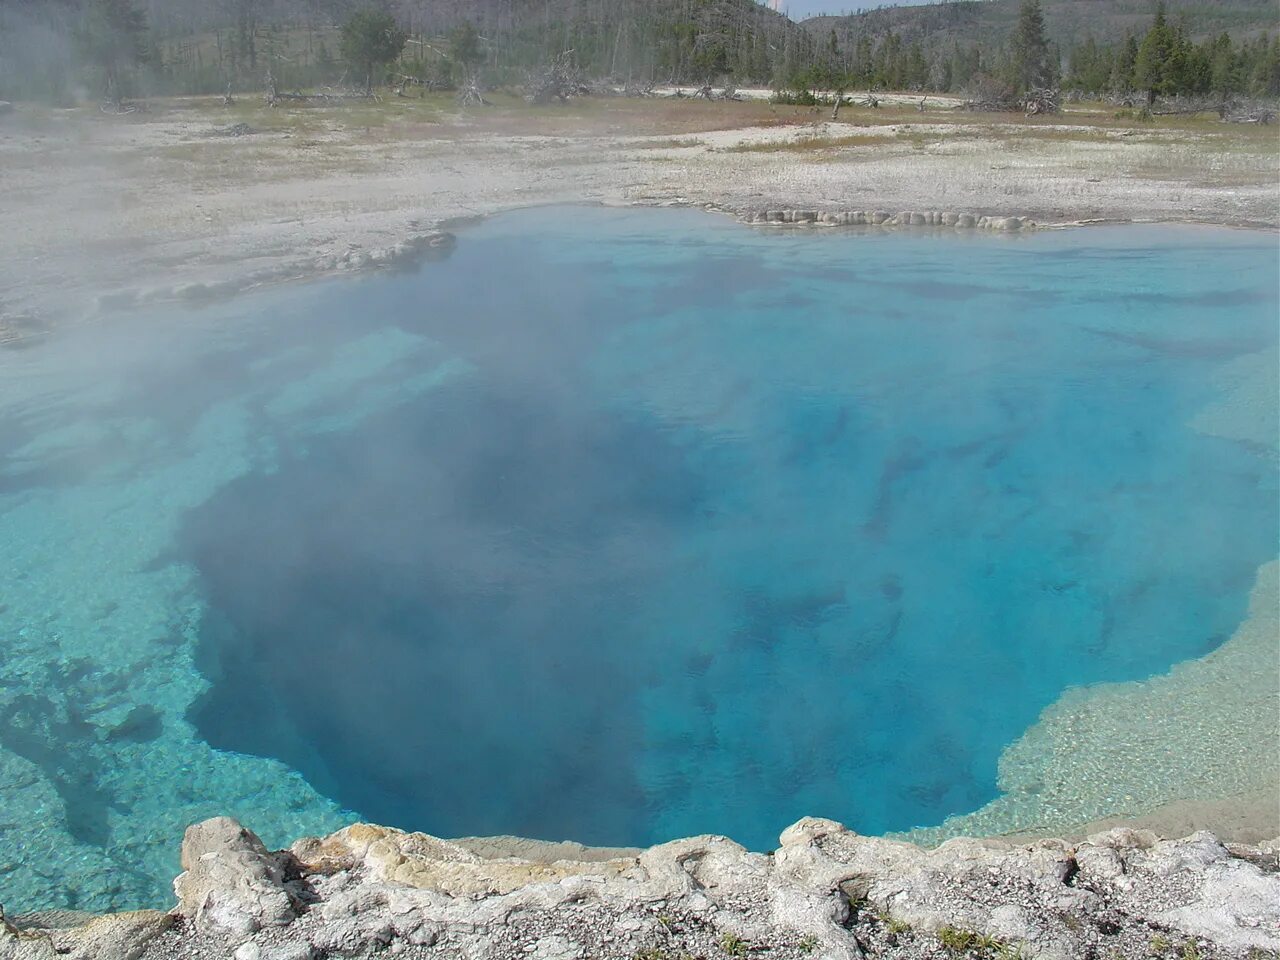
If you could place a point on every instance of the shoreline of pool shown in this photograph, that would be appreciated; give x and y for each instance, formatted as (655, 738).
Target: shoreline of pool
(435, 239)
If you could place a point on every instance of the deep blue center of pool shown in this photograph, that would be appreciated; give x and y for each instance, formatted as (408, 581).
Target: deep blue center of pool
(718, 529)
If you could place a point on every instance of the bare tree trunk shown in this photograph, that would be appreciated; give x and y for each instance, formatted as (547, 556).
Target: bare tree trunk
(469, 91)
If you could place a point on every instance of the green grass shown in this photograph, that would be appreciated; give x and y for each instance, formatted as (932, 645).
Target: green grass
(893, 926)
(972, 944)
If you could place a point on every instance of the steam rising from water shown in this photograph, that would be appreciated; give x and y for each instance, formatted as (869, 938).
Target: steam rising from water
(674, 528)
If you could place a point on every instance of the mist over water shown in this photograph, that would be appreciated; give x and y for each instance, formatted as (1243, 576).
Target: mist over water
(722, 530)
(613, 526)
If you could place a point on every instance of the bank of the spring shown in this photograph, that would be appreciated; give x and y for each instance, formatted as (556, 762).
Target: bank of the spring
(886, 218)
(826, 894)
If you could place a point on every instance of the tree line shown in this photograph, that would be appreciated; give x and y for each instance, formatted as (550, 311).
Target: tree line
(64, 50)
(1165, 62)
(1162, 62)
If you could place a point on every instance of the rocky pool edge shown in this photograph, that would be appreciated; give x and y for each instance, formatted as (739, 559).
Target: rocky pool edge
(824, 893)
(437, 240)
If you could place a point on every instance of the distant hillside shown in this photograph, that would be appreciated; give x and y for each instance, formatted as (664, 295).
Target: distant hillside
(51, 49)
(989, 22)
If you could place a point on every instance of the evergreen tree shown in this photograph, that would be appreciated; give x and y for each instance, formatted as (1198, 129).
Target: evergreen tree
(916, 69)
(1265, 81)
(464, 45)
(1091, 67)
(1122, 76)
(1030, 65)
(1224, 70)
(371, 38)
(864, 63)
(245, 45)
(114, 37)
(681, 41)
(1151, 67)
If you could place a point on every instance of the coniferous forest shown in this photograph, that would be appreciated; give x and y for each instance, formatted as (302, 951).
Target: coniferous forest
(64, 51)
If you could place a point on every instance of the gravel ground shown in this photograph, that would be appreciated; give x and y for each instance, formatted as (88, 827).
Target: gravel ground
(173, 198)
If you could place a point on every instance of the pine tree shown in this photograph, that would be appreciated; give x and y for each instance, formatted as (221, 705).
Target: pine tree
(1122, 78)
(1030, 65)
(369, 39)
(1223, 66)
(114, 37)
(1152, 65)
(1266, 72)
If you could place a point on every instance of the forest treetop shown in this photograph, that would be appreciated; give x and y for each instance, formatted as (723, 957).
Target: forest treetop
(68, 50)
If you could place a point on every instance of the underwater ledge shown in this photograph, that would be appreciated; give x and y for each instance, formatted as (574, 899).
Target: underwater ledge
(1109, 753)
(826, 892)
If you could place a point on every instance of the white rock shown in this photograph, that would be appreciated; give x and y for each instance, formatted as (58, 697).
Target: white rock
(556, 948)
(1011, 922)
(231, 885)
(1238, 908)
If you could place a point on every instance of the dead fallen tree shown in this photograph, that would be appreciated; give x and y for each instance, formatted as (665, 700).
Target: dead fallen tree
(708, 92)
(1228, 109)
(1126, 98)
(329, 95)
(1186, 107)
(631, 89)
(1032, 103)
(119, 107)
(400, 82)
(404, 81)
(558, 80)
(1044, 101)
(1249, 113)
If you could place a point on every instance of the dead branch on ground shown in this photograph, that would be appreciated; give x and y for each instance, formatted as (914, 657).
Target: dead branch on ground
(1032, 103)
(328, 95)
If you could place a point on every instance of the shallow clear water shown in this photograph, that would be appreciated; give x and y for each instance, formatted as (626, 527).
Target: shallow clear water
(614, 526)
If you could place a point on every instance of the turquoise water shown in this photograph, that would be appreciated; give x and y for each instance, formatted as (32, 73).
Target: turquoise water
(613, 526)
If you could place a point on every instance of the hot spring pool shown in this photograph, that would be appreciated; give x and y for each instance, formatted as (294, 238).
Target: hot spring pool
(619, 527)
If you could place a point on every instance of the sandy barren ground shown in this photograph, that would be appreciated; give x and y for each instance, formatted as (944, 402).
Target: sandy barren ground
(96, 204)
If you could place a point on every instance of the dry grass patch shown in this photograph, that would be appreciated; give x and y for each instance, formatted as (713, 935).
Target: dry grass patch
(672, 143)
(815, 143)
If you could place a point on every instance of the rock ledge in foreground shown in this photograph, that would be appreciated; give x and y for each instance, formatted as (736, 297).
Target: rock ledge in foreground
(825, 894)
